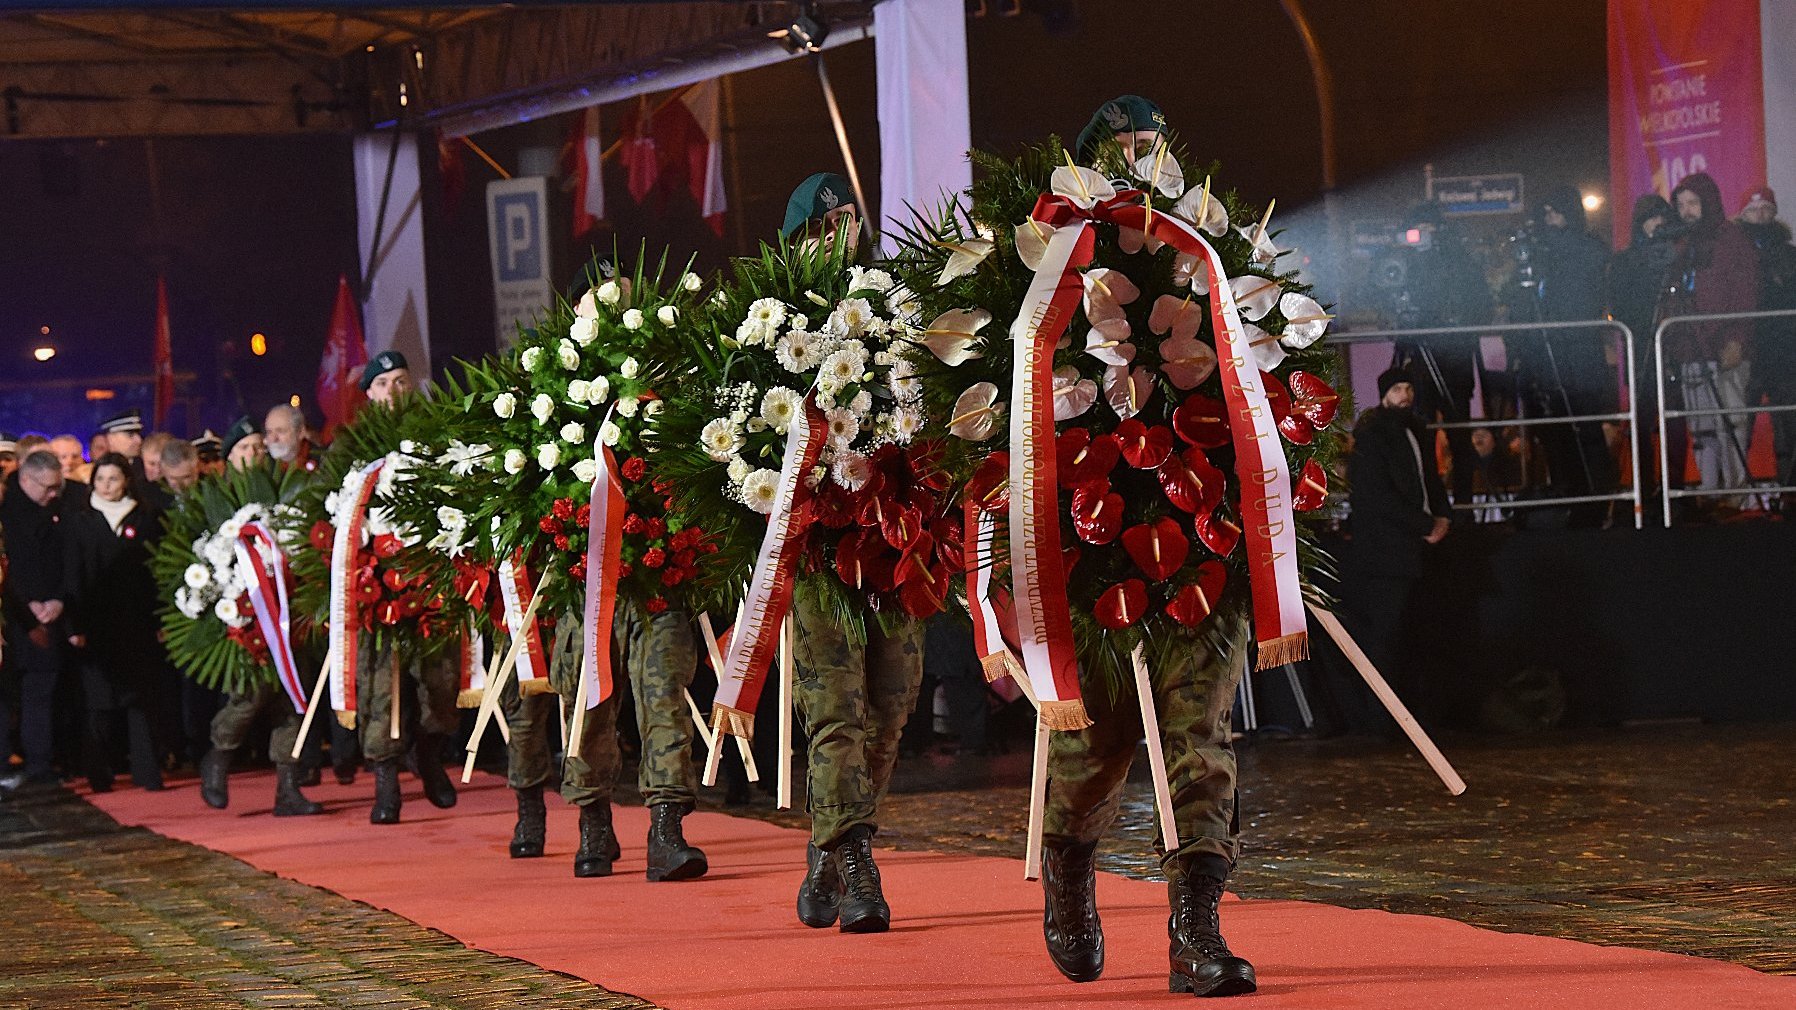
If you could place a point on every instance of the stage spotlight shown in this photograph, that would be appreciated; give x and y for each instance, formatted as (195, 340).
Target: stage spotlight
(804, 35)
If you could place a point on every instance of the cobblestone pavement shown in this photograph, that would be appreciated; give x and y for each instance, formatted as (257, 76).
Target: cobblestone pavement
(1674, 838)
(97, 915)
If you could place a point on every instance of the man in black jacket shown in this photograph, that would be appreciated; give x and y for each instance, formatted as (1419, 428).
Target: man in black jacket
(1399, 507)
(1774, 340)
(36, 597)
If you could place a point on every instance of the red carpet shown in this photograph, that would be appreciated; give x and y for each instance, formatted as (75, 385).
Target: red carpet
(967, 934)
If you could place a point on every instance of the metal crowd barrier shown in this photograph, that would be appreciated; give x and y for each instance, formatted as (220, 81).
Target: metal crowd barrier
(1666, 414)
(1590, 328)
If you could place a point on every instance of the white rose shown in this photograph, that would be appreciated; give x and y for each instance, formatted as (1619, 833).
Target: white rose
(567, 354)
(574, 432)
(690, 282)
(610, 293)
(610, 433)
(515, 460)
(629, 368)
(626, 406)
(577, 391)
(584, 330)
(543, 407)
(632, 319)
(667, 314)
(505, 405)
(598, 390)
(548, 455)
(532, 357)
(197, 576)
(652, 409)
(586, 471)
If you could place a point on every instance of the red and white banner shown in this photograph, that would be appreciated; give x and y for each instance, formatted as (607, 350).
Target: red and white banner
(750, 651)
(339, 371)
(589, 180)
(345, 624)
(1687, 94)
(473, 675)
(604, 562)
(988, 603)
(258, 553)
(515, 594)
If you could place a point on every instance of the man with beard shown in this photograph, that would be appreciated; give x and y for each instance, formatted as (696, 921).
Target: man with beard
(1774, 340)
(288, 439)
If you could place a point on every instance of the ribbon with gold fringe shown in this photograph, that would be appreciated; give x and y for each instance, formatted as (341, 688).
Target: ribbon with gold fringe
(345, 623)
(258, 552)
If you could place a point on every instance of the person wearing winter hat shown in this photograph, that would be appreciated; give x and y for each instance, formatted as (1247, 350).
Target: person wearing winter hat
(1774, 340)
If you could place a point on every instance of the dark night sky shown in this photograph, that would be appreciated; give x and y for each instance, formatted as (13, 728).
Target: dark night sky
(256, 230)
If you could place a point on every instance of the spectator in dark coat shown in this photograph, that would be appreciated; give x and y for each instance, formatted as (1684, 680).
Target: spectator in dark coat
(118, 655)
(1774, 340)
(1637, 278)
(37, 595)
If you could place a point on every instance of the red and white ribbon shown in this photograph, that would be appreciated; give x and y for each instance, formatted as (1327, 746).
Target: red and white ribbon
(345, 622)
(260, 555)
(994, 619)
(473, 674)
(751, 648)
(604, 565)
(515, 593)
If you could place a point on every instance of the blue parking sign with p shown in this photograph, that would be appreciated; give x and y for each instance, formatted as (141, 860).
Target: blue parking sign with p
(517, 219)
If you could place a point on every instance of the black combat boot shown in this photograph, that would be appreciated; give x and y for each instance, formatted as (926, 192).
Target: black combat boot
(386, 792)
(670, 858)
(344, 772)
(864, 908)
(598, 845)
(820, 893)
(1069, 883)
(528, 837)
(1202, 963)
(428, 754)
(288, 800)
(215, 778)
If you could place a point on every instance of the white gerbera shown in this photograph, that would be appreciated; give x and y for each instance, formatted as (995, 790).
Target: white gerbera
(779, 407)
(841, 368)
(852, 471)
(721, 439)
(797, 351)
(843, 426)
(850, 318)
(906, 422)
(760, 490)
(768, 313)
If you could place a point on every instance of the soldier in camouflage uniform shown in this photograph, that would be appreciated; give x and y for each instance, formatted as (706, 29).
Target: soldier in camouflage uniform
(232, 723)
(433, 683)
(1193, 696)
(657, 653)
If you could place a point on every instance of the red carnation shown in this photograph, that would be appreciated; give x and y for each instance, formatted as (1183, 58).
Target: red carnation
(657, 526)
(661, 485)
(672, 577)
(577, 570)
(654, 557)
(583, 516)
(634, 468)
(656, 605)
(633, 523)
(549, 524)
(686, 558)
(563, 509)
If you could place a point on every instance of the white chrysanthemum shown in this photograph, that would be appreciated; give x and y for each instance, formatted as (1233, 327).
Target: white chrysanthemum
(610, 293)
(197, 576)
(779, 407)
(567, 354)
(610, 434)
(548, 455)
(515, 461)
(739, 469)
(532, 357)
(574, 432)
(584, 330)
(505, 405)
(852, 471)
(598, 390)
(189, 607)
(542, 407)
(878, 280)
(667, 315)
(843, 426)
(632, 319)
(627, 405)
(720, 439)
(862, 402)
(586, 470)
(691, 282)
(760, 490)
(577, 391)
(226, 611)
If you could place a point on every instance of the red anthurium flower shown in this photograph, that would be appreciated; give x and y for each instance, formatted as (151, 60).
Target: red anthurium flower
(1203, 421)
(1143, 448)
(1082, 459)
(1276, 396)
(393, 579)
(1218, 533)
(1190, 481)
(1313, 405)
(1122, 604)
(1097, 513)
(990, 486)
(1195, 603)
(389, 612)
(925, 592)
(948, 548)
(915, 559)
(1158, 549)
(1311, 489)
(865, 561)
(322, 535)
(1069, 560)
(834, 507)
(386, 545)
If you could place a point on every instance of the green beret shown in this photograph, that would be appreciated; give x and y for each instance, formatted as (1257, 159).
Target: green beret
(240, 430)
(814, 198)
(384, 362)
(1127, 114)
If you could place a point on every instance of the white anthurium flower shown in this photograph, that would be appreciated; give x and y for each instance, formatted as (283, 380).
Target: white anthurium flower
(574, 432)
(531, 357)
(1264, 249)
(963, 258)
(1083, 186)
(548, 455)
(1032, 242)
(1202, 201)
(462, 458)
(598, 390)
(1188, 270)
(1186, 361)
(953, 333)
(633, 319)
(505, 405)
(610, 434)
(629, 368)
(1183, 317)
(1159, 169)
(584, 330)
(1127, 389)
(586, 471)
(197, 576)
(567, 354)
(976, 412)
(1106, 292)
(515, 460)
(1073, 394)
(1131, 241)
(611, 292)
(1304, 320)
(1254, 296)
(667, 315)
(587, 307)
(542, 407)
(1267, 352)
(1108, 342)
(760, 490)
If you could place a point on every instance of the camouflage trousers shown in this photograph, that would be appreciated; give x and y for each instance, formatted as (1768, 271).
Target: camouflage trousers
(434, 683)
(232, 723)
(1193, 696)
(657, 653)
(854, 700)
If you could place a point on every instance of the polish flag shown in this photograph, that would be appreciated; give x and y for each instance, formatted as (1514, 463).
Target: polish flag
(345, 353)
(589, 183)
(163, 360)
(680, 140)
(704, 150)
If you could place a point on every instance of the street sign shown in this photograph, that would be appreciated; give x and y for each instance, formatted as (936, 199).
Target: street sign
(517, 221)
(1465, 195)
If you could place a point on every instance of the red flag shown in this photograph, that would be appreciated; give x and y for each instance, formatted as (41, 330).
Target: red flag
(451, 170)
(589, 184)
(163, 360)
(641, 159)
(339, 387)
(704, 150)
